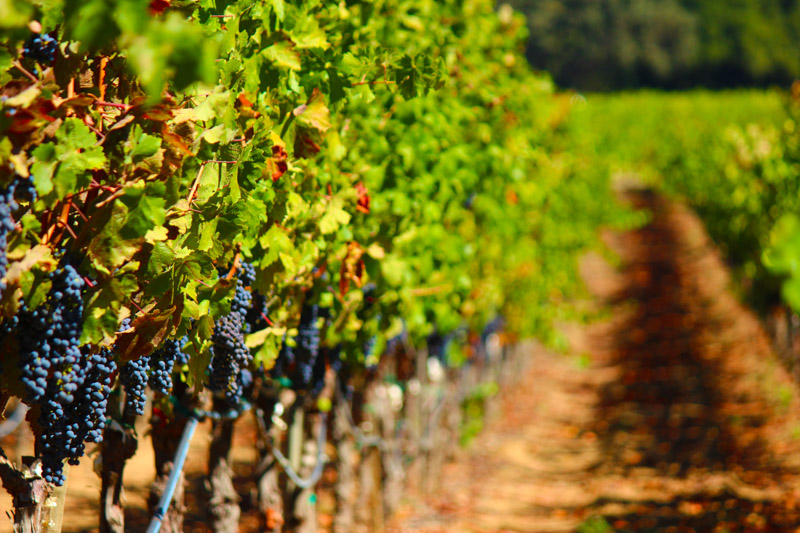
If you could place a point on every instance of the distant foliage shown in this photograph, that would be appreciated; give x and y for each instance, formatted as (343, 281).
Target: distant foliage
(616, 44)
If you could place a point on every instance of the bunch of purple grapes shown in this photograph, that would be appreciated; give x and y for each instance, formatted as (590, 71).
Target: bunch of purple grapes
(307, 350)
(162, 364)
(40, 48)
(70, 384)
(231, 354)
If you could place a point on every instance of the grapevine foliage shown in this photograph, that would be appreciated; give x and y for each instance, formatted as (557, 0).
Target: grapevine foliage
(279, 189)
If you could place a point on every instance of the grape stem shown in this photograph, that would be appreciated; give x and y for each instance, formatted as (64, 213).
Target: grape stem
(112, 104)
(196, 183)
(25, 71)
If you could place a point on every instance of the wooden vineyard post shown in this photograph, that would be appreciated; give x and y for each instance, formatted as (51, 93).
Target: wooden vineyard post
(303, 457)
(423, 423)
(415, 411)
(119, 445)
(270, 496)
(451, 417)
(377, 494)
(345, 480)
(366, 479)
(223, 508)
(391, 454)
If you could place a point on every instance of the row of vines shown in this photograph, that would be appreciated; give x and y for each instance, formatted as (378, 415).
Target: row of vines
(735, 158)
(226, 206)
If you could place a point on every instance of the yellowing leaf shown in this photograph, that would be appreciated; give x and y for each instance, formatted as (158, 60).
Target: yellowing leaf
(25, 98)
(375, 251)
(38, 255)
(254, 340)
(283, 55)
(315, 114)
(334, 217)
(213, 135)
(182, 223)
(181, 252)
(156, 234)
(288, 262)
(295, 205)
(208, 231)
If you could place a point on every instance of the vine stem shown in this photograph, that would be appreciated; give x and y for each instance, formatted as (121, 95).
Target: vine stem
(100, 103)
(196, 183)
(377, 82)
(25, 71)
(236, 262)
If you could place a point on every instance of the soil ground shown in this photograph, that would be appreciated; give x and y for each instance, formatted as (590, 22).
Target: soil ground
(671, 414)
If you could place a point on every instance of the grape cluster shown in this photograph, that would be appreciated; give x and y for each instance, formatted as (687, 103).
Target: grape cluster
(318, 374)
(395, 343)
(162, 363)
(255, 318)
(182, 358)
(247, 274)
(66, 427)
(369, 347)
(370, 359)
(56, 373)
(49, 338)
(494, 326)
(18, 188)
(93, 400)
(307, 346)
(41, 48)
(231, 354)
(241, 301)
(284, 361)
(24, 189)
(133, 376)
(437, 345)
(7, 225)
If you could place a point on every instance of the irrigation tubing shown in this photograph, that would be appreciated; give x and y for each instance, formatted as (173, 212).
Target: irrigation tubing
(195, 417)
(311, 480)
(174, 476)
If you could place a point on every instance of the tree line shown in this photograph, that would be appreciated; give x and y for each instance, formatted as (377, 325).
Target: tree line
(599, 45)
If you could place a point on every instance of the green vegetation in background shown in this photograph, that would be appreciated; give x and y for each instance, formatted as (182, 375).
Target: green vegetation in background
(732, 156)
(617, 44)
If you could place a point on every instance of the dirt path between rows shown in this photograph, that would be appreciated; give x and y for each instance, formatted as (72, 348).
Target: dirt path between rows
(679, 419)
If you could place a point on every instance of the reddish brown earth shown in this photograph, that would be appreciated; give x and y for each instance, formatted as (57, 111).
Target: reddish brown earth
(681, 421)
(671, 414)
